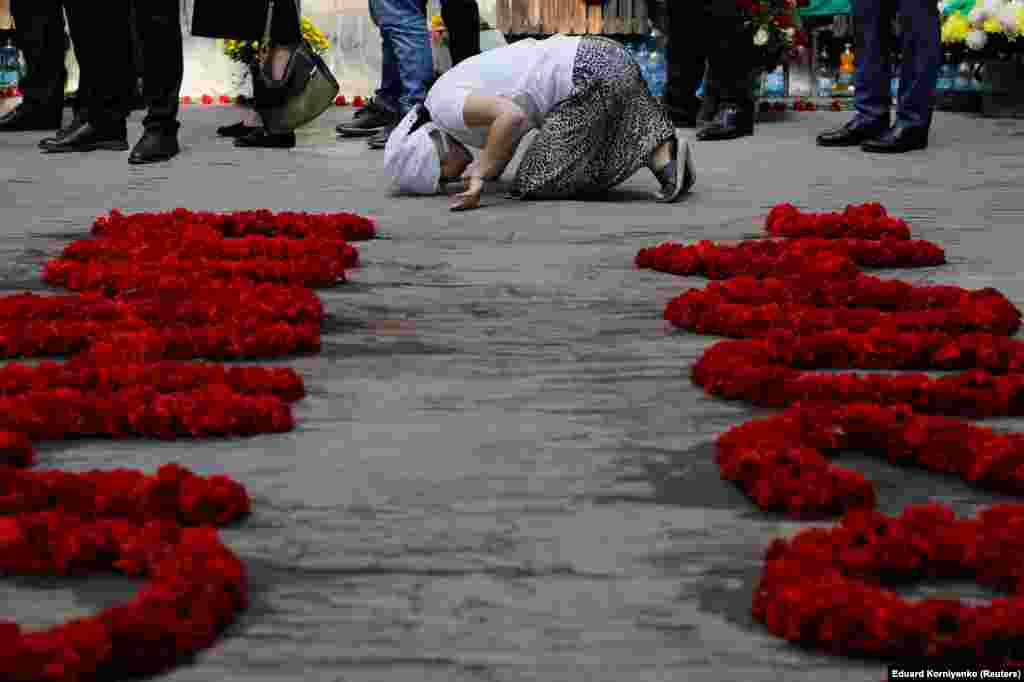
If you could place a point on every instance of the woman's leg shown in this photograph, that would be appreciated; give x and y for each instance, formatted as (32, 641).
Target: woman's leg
(608, 130)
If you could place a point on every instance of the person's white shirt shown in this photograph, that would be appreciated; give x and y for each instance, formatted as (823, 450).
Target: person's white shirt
(536, 74)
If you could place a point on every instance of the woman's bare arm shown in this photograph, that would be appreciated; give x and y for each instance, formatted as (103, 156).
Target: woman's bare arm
(506, 123)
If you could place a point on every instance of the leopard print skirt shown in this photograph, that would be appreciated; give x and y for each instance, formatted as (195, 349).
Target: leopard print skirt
(601, 135)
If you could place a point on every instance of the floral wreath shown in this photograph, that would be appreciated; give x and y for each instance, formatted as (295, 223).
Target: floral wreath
(129, 333)
(799, 305)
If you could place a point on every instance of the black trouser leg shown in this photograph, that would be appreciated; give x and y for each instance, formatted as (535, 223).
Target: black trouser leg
(39, 31)
(462, 19)
(687, 53)
(84, 76)
(731, 56)
(103, 46)
(158, 24)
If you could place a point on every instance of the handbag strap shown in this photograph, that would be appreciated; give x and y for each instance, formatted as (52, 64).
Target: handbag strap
(265, 48)
(270, 20)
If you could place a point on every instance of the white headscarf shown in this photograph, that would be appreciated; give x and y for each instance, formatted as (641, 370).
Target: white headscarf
(412, 161)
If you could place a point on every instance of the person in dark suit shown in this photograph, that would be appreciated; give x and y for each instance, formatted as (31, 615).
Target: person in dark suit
(103, 45)
(922, 57)
(158, 31)
(39, 33)
(220, 19)
(725, 45)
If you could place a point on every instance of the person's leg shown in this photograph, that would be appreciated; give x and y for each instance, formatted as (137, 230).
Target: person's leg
(731, 58)
(381, 113)
(687, 53)
(462, 19)
(403, 24)
(103, 45)
(158, 27)
(285, 35)
(39, 32)
(872, 95)
(921, 41)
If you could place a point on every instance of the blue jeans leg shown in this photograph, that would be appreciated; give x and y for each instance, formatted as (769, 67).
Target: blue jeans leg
(390, 82)
(406, 42)
(872, 96)
(922, 58)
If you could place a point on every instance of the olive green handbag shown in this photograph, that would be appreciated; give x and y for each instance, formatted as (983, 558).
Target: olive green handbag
(305, 91)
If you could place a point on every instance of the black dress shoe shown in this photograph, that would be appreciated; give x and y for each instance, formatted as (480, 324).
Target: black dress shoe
(154, 146)
(89, 138)
(236, 130)
(261, 138)
(731, 123)
(853, 133)
(75, 124)
(897, 140)
(23, 118)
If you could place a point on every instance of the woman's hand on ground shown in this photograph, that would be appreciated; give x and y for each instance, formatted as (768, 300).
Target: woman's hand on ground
(469, 199)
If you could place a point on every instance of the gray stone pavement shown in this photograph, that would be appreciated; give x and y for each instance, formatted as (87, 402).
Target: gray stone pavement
(502, 471)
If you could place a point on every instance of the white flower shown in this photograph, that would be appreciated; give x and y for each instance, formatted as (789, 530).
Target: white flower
(976, 39)
(790, 32)
(761, 37)
(977, 16)
(1008, 16)
(942, 6)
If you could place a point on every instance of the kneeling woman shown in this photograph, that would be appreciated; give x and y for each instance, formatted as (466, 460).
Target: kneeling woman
(598, 125)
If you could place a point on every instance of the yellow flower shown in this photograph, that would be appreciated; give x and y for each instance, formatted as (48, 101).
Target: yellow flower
(992, 25)
(436, 21)
(955, 28)
(1020, 20)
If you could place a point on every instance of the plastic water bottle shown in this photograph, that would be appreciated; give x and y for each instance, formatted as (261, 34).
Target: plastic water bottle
(947, 75)
(825, 82)
(10, 71)
(656, 70)
(962, 83)
(894, 81)
(775, 83)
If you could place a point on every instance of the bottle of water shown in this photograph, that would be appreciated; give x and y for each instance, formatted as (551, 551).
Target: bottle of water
(962, 82)
(656, 71)
(775, 83)
(947, 75)
(824, 78)
(643, 58)
(9, 65)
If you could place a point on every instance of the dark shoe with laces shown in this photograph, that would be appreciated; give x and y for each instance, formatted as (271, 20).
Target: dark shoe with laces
(87, 138)
(730, 123)
(898, 140)
(370, 120)
(236, 130)
(267, 140)
(854, 132)
(155, 146)
(75, 124)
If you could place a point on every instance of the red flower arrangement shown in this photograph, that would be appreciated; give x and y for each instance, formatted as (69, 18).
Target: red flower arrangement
(745, 307)
(195, 587)
(160, 287)
(807, 257)
(812, 309)
(864, 221)
(825, 587)
(779, 460)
